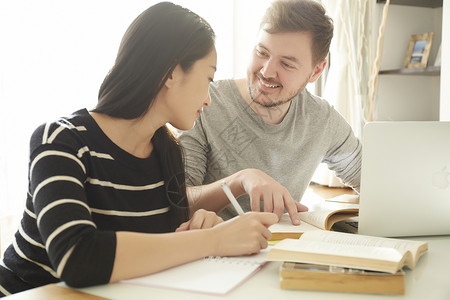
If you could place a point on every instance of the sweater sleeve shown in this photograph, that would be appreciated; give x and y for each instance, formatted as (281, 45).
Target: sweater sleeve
(80, 254)
(345, 152)
(196, 149)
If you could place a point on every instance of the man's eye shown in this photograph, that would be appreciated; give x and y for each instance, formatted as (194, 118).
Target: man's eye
(288, 65)
(260, 53)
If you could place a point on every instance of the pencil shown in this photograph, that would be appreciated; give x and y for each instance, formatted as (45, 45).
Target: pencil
(230, 196)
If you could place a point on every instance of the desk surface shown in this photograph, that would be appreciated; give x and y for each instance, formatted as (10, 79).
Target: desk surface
(429, 280)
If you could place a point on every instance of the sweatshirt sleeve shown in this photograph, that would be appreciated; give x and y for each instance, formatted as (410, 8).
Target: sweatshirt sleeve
(80, 254)
(196, 149)
(344, 154)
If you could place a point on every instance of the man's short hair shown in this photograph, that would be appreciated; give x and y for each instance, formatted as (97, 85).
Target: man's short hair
(301, 15)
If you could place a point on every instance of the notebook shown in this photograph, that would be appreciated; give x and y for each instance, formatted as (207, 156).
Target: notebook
(212, 275)
(405, 182)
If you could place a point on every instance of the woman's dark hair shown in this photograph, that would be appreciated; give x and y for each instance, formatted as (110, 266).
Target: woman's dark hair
(160, 38)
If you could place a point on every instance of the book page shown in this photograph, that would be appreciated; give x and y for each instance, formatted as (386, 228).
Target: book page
(317, 218)
(285, 225)
(325, 216)
(349, 256)
(403, 246)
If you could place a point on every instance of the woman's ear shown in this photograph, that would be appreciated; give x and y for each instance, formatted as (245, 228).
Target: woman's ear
(174, 77)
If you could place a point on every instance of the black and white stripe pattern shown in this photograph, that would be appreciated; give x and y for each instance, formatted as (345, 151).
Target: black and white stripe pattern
(82, 188)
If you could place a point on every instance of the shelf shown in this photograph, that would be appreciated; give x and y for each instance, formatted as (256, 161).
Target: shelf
(428, 71)
(421, 3)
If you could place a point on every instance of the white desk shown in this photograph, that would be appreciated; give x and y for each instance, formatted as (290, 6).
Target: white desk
(429, 280)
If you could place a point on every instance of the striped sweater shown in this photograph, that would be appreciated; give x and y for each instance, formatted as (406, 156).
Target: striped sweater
(82, 188)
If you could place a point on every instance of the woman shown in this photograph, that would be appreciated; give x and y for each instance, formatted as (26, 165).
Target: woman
(106, 187)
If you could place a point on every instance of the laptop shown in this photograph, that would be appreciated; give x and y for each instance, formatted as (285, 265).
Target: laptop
(405, 179)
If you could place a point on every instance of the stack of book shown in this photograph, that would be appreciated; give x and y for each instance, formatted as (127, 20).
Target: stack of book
(342, 262)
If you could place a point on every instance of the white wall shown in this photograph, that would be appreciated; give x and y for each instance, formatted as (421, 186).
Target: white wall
(401, 97)
(55, 54)
(245, 31)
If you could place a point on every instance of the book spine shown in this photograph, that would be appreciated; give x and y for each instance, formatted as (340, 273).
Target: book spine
(372, 287)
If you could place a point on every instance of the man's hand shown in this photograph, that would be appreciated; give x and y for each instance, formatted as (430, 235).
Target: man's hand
(263, 188)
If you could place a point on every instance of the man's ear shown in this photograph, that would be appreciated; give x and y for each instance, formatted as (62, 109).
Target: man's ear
(318, 69)
(174, 77)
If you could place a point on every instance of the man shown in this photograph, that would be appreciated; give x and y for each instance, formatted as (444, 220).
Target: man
(269, 121)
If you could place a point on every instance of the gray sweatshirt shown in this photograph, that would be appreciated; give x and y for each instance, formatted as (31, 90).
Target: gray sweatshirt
(230, 136)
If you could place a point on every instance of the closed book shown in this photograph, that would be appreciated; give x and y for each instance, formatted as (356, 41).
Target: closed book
(299, 276)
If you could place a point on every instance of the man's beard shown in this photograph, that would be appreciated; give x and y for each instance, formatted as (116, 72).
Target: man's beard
(269, 103)
(256, 95)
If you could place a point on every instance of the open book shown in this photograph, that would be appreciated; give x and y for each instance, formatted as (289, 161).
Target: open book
(349, 251)
(323, 217)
